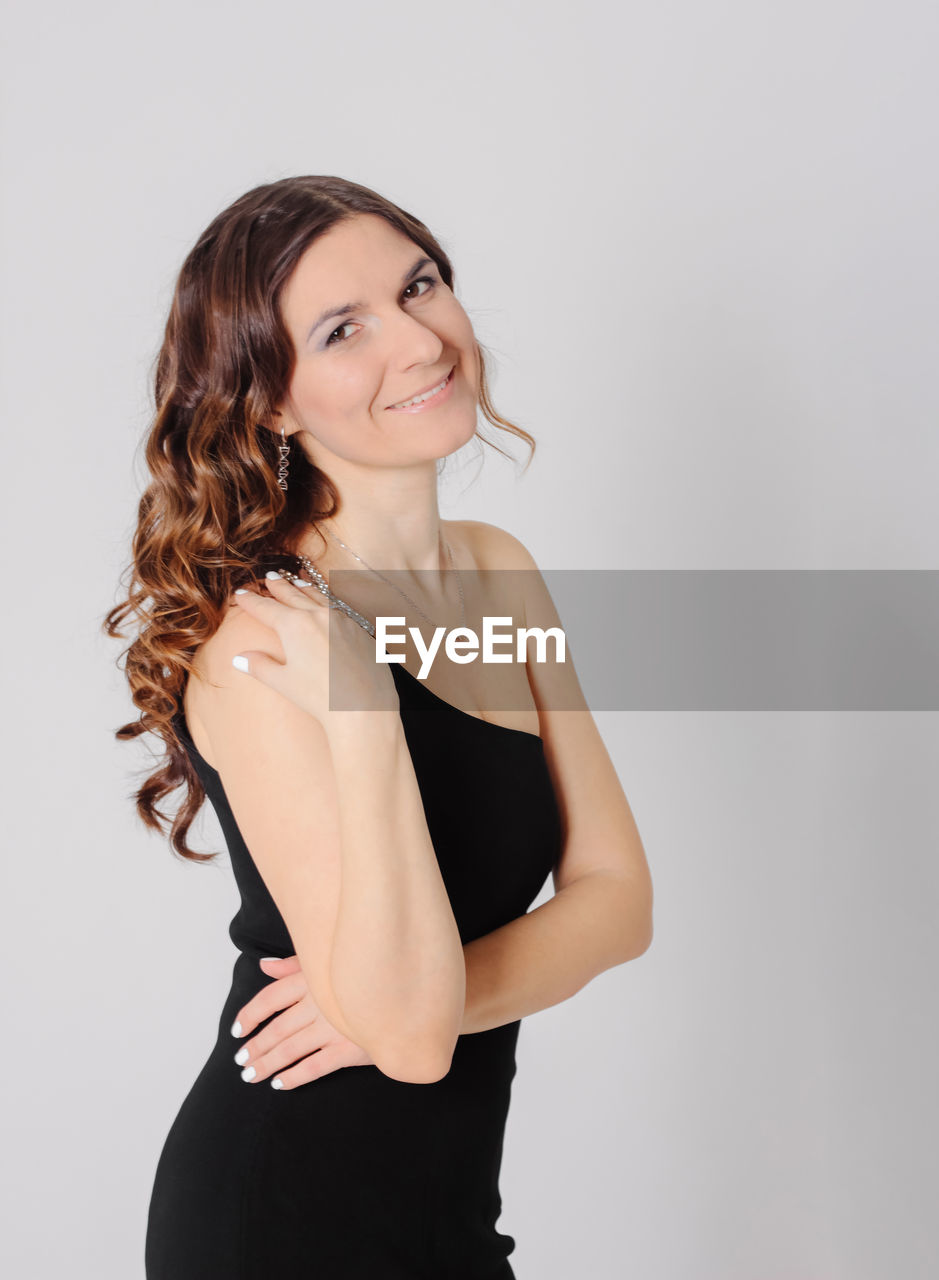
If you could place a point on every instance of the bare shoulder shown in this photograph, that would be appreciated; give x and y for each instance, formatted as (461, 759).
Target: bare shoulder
(212, 665)
(238, 630)
(489, 546)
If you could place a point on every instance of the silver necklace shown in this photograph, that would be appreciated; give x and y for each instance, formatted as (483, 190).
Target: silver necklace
(336, 603)
(413, 603)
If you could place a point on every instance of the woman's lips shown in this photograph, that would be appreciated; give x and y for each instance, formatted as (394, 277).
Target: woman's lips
(432, 402)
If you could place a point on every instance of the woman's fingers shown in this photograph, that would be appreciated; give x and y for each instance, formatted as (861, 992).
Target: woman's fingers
(331, 1057)
(299, 1044)
(297, 593)
(283, 1054)
(280, 966)
(291, 1035)
(290, 612)
(269, 1000)
(303, 622)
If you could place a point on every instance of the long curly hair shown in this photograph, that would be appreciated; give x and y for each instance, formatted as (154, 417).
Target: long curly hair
(213, 513)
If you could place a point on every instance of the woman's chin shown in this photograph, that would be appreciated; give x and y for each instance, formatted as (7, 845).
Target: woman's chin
(442, 437)
(458, 438)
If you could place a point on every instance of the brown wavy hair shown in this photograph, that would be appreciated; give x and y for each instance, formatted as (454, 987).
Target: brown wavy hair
(213, 515)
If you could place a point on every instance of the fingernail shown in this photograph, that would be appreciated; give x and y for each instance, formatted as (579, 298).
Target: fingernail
(236, 1030)
(241, 591)
(263, 958)
(272, 573)
(248, 1074)
(240, 661)
(277, 1083)
(242, 1056)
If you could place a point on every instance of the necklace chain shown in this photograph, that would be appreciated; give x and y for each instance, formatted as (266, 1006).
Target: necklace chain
(343, 607)
(401, 592)
(335, 603)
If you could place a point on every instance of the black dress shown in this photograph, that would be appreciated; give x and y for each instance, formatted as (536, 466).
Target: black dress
(356, 1176)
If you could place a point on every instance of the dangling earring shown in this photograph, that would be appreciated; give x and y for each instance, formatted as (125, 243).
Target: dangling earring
(284, 450)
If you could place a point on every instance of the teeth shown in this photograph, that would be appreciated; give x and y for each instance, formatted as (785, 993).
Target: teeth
(426, 396)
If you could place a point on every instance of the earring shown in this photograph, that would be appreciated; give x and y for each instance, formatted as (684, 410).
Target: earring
(284, 450)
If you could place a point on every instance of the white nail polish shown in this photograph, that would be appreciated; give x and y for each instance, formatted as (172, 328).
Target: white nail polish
(263, 958)
(240, 661)
(241, 591)
(242, 1056)
(277, 1083)
(272, 573)
(248, 1074)
(236, 1029)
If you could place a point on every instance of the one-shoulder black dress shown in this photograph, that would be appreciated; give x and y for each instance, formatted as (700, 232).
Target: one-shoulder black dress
(356, 1176)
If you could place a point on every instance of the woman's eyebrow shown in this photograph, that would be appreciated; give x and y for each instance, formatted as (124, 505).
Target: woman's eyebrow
(333, 313)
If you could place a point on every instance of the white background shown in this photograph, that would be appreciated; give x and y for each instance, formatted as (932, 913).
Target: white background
(700, 240)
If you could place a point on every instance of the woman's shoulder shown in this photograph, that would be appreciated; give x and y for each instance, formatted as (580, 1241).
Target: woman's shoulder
(236, 632)
(237, 629)
(489, 546)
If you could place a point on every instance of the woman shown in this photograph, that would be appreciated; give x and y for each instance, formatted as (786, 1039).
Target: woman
(316, 367)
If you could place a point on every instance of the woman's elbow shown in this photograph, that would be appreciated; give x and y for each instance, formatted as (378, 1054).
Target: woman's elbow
(415, 1067)
(637, 935)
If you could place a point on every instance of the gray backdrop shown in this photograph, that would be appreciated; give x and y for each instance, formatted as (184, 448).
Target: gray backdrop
(701, 241)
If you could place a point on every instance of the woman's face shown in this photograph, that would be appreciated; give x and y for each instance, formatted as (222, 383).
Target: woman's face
(373, 324)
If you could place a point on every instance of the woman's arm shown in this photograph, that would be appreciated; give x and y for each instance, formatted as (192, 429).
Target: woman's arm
(549, 954)
(531, 963)
(397, 959)
(331, 810)
(601, 913)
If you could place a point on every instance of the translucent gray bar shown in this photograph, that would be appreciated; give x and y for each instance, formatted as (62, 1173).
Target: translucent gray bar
(753, 640)
(712, 639)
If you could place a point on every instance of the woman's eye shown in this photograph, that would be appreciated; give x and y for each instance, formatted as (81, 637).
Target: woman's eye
(428, 280)
(329, 340)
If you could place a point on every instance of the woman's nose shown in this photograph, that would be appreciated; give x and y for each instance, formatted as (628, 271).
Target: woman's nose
(412, 342)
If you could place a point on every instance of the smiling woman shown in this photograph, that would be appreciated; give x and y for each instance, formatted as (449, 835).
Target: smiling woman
(389, 859)
(405, 349)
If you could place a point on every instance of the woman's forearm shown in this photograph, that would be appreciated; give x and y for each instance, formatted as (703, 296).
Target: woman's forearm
(397, 969)
(549, 954)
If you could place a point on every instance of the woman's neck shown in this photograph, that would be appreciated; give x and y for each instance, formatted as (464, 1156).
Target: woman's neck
(413, 542)
(397, 528)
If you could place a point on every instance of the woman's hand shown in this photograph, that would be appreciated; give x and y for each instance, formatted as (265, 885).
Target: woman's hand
(300, 615)
(300, 1035)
